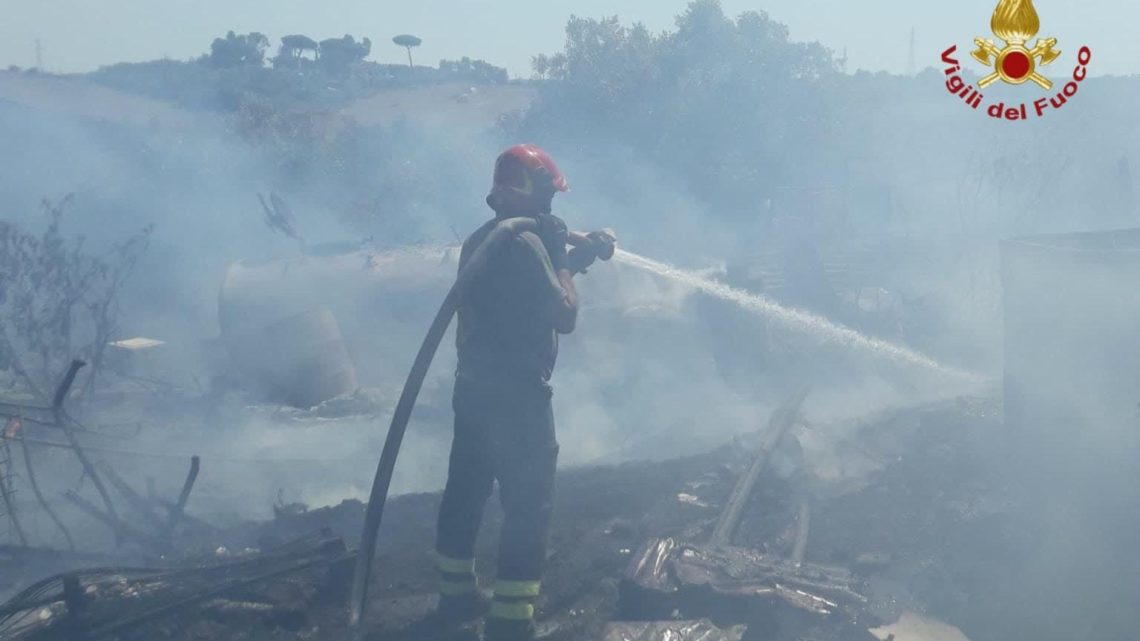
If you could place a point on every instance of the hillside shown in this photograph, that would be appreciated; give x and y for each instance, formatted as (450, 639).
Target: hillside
(450, 104)
(78, 98)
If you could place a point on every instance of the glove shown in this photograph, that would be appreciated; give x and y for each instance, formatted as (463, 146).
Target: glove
(579, 259)
(552, 232)
(603, 243)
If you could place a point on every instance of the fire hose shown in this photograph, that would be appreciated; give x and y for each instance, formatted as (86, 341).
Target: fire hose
(383, 479)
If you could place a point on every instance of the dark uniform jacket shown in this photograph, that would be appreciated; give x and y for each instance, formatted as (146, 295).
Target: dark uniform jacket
(506, 330)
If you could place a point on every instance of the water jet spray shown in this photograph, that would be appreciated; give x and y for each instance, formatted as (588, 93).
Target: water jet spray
(794, 319)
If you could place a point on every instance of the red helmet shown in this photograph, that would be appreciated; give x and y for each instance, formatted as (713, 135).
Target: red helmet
(526, 169)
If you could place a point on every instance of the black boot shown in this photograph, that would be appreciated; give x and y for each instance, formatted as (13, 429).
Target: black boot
(496, 629)
(461, 609)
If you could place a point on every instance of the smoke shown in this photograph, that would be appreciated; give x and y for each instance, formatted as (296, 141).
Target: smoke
(646, 376)
(893, 299)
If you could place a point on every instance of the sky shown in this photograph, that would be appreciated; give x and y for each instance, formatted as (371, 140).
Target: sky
(80, 35)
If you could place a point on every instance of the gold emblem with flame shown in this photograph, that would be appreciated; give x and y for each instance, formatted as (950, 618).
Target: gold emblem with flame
(1015, 22)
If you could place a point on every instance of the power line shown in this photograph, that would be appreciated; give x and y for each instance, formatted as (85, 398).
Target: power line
(910, 57)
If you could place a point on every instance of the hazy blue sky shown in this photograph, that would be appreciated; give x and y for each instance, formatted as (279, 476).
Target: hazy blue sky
(82, 34)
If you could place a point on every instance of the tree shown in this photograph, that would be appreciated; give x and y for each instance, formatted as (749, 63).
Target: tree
(408, 41)
(298, 43)
(474, 71)
(292, 50)
(728, 106)
(541, 65)
(236, 51)
(338, 54)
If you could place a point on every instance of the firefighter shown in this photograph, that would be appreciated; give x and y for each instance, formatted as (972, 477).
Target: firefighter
(507, 341)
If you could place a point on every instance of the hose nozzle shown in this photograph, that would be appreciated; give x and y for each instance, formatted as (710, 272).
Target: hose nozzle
(601, 242)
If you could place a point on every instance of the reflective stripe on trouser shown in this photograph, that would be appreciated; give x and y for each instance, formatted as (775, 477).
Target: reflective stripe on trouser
(456, 576)
(506, 435)
(517, 589)
(514, 600)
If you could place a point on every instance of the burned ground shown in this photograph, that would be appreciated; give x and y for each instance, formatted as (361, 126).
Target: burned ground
(911, 531)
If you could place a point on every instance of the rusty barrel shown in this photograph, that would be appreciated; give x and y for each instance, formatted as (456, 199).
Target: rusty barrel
(300, 360)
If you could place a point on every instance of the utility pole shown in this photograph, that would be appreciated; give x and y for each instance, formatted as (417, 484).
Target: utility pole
(910, 57)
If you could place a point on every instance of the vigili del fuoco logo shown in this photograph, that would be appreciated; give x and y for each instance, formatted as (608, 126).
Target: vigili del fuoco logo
(1013, 61)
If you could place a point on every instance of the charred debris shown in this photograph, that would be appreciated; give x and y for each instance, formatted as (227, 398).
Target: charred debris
(897, 521)
(739, 543)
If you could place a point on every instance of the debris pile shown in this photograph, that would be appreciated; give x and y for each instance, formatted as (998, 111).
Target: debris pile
(715, 546)
(251, 588)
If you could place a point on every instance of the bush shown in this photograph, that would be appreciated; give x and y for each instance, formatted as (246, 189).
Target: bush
(476, 72)
(57, 302)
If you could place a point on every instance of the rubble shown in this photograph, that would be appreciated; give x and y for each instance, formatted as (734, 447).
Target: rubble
(108, 602)
(670, 630)
(717, 579)
(878, 532)
(915, 627)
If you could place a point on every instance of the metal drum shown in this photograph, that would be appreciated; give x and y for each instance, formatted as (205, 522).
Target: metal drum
(300, 360)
